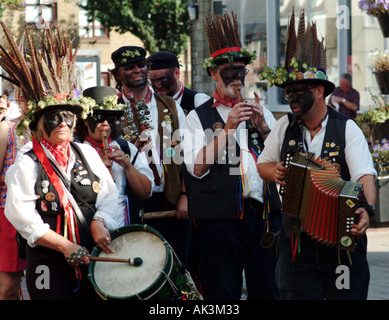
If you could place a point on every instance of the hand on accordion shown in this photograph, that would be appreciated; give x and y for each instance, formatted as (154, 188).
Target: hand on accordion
(280, 173)
(363, 222)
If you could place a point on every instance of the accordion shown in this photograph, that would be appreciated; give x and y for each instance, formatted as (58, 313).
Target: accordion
(323, 202)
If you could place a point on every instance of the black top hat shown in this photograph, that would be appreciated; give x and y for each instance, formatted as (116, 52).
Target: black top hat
(162, 60)
(99, 93)
(128, 54)
(75, 108)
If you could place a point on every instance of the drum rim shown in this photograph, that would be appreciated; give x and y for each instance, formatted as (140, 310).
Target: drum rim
(159, 281)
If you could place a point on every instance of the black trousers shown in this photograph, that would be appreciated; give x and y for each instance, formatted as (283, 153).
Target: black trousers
(49, 277)
(320, 272)
(227, 248)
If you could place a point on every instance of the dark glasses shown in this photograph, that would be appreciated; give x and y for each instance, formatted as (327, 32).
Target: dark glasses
(290, 94)
(54, 119)
(98, 118)
(131, 66)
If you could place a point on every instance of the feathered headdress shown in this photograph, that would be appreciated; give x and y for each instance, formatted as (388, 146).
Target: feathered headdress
(305, 58)
(45, 77)
(224, 42)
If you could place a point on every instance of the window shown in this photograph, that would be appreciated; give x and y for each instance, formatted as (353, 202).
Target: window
(36, 10)
(91, 29)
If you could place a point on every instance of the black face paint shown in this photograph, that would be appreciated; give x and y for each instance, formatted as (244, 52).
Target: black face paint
(54, 118)
(303, 98)
(166, 83)
(229, 74)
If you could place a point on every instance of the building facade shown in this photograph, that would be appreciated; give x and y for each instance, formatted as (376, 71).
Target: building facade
(349, 35)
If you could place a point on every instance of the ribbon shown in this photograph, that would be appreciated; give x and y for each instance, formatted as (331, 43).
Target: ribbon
(225, 50)
(70, 222)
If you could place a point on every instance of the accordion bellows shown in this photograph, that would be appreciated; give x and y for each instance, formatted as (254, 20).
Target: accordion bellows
(324, 203)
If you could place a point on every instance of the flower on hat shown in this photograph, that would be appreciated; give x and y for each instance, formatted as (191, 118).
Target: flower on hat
(230, 56)
(224, 41)
(50, 100)
(130, 54)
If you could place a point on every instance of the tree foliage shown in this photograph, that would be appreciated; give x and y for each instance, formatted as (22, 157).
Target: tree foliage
(160, 24)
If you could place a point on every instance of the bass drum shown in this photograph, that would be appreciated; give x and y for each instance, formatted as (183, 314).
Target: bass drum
(161, 276)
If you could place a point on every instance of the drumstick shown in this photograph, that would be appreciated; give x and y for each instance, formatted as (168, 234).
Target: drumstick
(159, 214)
(136, 262)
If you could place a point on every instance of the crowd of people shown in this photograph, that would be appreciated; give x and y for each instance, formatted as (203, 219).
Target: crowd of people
(215, 164)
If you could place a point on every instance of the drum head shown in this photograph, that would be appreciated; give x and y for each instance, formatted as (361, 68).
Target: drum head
(115, 280)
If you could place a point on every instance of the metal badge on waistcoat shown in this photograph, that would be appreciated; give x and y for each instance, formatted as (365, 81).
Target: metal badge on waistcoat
(82, 177)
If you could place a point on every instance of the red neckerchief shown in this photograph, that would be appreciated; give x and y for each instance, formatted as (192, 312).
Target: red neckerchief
(98, 146)
(58, 151)
(219, 100)
(147, 98)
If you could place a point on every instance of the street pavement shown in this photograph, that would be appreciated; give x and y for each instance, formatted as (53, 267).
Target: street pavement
(378, 257)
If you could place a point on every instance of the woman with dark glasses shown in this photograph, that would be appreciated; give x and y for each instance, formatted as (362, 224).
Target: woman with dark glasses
(130, 170)
(60, 199)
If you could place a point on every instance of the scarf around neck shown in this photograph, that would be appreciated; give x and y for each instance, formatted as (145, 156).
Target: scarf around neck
(59, 152)
(96, 145)
(219, 100)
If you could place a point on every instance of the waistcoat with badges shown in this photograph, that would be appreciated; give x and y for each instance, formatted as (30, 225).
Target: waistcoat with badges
(84, 186)
(215, 195)
(334, 143)
(333, 148)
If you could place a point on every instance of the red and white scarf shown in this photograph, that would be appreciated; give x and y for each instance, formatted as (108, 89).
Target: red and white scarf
(59, 152)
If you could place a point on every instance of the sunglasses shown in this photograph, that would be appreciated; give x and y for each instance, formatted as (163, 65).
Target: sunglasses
(291, 94)
(131, 66)
(54, 119)
(98, 118)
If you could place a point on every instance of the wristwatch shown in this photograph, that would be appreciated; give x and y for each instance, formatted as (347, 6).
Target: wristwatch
(344, 100)
(370, 210)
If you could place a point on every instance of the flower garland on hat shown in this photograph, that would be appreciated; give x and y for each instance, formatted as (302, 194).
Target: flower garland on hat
(305, 56)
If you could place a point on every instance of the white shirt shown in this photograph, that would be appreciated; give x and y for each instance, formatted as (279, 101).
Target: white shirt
(358, 157)
(121, 179)
(199, 99)
(21, 197)
(195, 140)
(155, 135)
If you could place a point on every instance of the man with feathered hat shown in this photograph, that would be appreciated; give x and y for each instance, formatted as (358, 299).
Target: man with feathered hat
(222, 140)
(306, 269)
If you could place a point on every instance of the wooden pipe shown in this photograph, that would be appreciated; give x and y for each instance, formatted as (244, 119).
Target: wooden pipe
(104, 139)
(136, 262)
(241, 99)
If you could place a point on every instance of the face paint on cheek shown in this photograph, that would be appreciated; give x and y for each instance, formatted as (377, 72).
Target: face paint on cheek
(230, 74)
(305, 103)
(92, 125)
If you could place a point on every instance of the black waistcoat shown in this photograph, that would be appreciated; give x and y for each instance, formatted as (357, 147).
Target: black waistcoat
(215, 195)
(188, 99)
(334, 143)
(81, 186)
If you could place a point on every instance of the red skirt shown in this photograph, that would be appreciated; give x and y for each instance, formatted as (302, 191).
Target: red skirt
(9, 260)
